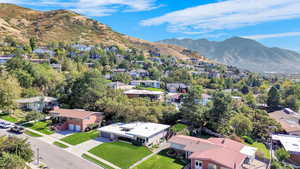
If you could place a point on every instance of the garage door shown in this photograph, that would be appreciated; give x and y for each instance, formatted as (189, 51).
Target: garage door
(77, 128)
(105, 135)
(71, 127)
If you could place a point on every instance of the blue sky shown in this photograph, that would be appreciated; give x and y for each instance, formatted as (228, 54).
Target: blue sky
(272, 22)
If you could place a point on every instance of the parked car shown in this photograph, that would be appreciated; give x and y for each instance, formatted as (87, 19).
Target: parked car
(17, 129)
(5, 125)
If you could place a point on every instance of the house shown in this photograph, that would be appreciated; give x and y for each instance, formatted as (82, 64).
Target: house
(44, 51)
(142, 132)
(213, 153)
(138, 73)
(120, 85)
(153, 95)
(82, 48)
(146, 83)
(39, 103)
(4, 59)
(75, 119)
(56, 67)
(205, 99)
(177, 87)
(290, 143)
(289, 120)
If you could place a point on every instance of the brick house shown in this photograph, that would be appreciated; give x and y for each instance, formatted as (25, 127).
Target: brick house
(75, 119)
(213, 153)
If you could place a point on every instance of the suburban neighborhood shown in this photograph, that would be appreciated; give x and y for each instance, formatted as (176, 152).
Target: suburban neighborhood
(105, 100)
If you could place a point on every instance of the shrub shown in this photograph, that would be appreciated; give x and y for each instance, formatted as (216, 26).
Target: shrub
(248, 140)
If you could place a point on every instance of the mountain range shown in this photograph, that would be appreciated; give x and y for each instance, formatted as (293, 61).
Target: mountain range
(70, 27)
(244, 53)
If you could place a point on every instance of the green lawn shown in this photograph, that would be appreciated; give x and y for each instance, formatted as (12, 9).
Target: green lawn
(161, 161)
(91, 159)
(8, 118)
(121, 154)
(262, 148)
(150, 89)
(41, 126)
(178, 127)
(61, 145)
(80, 137)
(32, 134)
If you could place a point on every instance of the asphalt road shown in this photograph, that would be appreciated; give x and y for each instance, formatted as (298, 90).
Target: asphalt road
(55, 157)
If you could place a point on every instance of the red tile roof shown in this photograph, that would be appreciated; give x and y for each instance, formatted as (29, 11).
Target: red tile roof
(222, 151)
(222, 156)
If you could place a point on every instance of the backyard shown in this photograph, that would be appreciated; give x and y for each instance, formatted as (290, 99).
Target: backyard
(161, 161)
(261, 148)
(80, 137)
(41, 126)
(121, 154)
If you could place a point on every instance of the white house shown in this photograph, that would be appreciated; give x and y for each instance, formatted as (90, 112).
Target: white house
(146, 83)
(143, 132)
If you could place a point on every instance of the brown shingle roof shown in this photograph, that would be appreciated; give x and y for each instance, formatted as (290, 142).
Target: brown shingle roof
(289, 122)
(73, 113)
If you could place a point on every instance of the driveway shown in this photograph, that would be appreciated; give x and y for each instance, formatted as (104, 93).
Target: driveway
(86, 146)
(61, 134)
(55, 157)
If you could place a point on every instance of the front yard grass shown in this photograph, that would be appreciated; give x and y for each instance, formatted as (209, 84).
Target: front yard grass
(120, 154)
(80, 137)
(261, 148)
(161, 161)
(41, 126)
(61, 145)
(9, 118)
(91, 159)
(32, 134)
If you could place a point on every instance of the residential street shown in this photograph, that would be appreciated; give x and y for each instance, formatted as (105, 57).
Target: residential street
(55, 157)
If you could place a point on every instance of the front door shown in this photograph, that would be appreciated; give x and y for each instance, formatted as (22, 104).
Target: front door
(198, 164)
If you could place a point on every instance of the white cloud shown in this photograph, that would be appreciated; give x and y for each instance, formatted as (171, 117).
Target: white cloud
(276, 35)
(93, 7)
(227, 15)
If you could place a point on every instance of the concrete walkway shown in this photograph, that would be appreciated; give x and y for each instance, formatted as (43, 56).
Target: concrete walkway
(162, 147)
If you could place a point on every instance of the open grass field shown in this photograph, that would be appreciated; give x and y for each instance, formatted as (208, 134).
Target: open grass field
(161, 161)
(120, 154)
(41, 126)
(80, 137)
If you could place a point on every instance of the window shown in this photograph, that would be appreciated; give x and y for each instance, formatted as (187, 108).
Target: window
(212, 166)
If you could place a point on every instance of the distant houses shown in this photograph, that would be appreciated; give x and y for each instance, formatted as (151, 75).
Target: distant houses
(146, 83)
(39, 103)
(177, 87)
(153, 95)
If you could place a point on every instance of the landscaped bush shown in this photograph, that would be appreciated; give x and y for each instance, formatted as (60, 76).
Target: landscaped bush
(92, 127)
(248, 140)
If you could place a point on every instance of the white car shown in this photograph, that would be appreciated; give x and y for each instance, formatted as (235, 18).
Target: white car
(5, 125)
